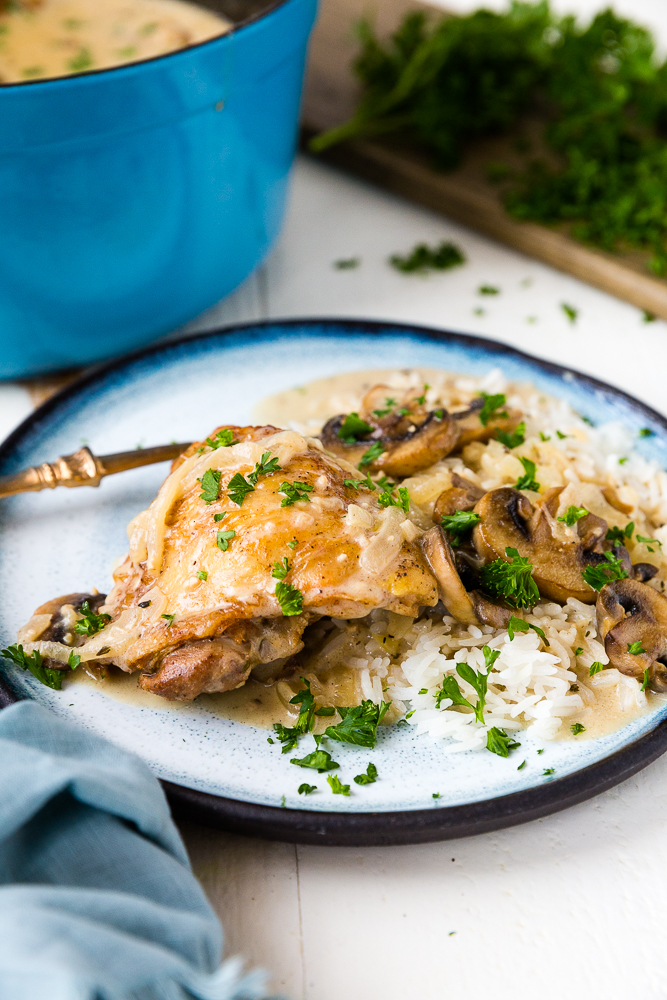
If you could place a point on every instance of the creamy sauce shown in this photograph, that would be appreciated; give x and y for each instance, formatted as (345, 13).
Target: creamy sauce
(606, 716)
(51, 38)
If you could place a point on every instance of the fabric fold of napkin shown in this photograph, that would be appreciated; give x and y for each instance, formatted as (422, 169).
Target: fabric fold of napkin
(97, 898)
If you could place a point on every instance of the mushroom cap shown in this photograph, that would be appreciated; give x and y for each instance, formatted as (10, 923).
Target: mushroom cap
(471, 427)
(461, 495)
(629, 611)
(508, 519)
(451, 591)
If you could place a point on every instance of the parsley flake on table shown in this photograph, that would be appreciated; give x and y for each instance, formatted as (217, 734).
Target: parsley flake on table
(576, 728)
(294, 492)
(636, 648)
(353, 428)
(521, 625)
(491, 406)
(337, 786)
(289, 598)
(498, 742)
(210, 486)
(223, 538)
(528, 481)
(620, 535)
(572, 515)
(34, 663)
(90, 623)
(458, 524)
(319, 760)
(387, 499)
(522, 765)
(595, 668)
(511, 581)
(369, 778)
(371, 455)
(238, 489)
(514, 438)
(222, 439)
(570, 312)
(548, 771)
(611, 569)
(306, 789)
(280, 569)
(488, 290)
(359, 724)
(423, 258)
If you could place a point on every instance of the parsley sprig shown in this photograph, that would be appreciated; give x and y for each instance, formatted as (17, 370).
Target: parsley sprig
(289, 598)
(35, 664)
(511, 581)
(210, 486)
(90, 623)
(372, 455)
(293, 492)
(240, 486)
(359, 724)
(477, 680)
(458, 524)
(521, 625)
(612, 569)
(492, 405)
(498, 742)
(369, 778)
(222, 439)
(572, 515)
(528, 481)
(356, 484)
(353, 428)
(387, 499)
(514, 438)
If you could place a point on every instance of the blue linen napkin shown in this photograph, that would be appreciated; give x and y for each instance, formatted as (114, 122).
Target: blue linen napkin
(97, 898)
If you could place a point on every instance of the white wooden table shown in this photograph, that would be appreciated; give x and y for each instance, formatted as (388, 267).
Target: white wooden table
(572, 905)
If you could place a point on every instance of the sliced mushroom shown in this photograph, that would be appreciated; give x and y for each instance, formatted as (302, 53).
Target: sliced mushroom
(60, 609)
(508, 519)
(461, 495)
(403, 454)
(628, 612)
(451, 591)
(489, 612)
(471, 427)
(644, 571)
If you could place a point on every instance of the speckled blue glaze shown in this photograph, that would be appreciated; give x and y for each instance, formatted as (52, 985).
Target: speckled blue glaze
(53, 543)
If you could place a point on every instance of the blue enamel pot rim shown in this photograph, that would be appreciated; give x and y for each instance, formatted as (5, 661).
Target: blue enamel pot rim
(382, 828)
(70, 78)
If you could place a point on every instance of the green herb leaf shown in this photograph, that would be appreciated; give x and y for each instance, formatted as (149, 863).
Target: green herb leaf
(210, 486)
(238, 488)
(636, 648)
(218, 517)
(325, 711)
(576, 728)
(347, 264)
(294, 492)
(458, 524)
(514, 438)
(293, 544)
(369, 778)
(359, 724)
(371, 455)
(649, 542)
(620, 535)
(353, 428)
(90, 623)
(202, 575)
(578, 651)
(403, 500)
(169, 619)
(336, 785)
(223, 439)
(522, 765)
(498, 742)
(511, 581)
(645, 681)
(355, 484)
(572, 515)
(306, 700)
(264, 467)
(548, 771)
(73, 660)
(570, 312)
(319, 760)
(223, 538)
(528, 481)
(646, 432)
(34, 663)
(492, 404)
(287, 735)
(289, 598)
(280, 569)
(306, 789)
(488, 290)
(595, 668)
(521, 625)
(423, 258)
(611, 569)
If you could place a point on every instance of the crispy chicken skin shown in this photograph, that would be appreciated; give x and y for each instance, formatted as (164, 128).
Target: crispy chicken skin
(195, 610)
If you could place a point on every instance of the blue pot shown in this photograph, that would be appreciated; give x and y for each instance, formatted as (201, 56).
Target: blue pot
(135, 197)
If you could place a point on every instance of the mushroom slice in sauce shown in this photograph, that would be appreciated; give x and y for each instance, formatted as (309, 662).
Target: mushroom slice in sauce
(451, 591)
(628, 612)
(471, 427)
(461, 495)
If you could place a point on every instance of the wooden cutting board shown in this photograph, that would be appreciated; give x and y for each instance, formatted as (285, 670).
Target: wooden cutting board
(465, 194)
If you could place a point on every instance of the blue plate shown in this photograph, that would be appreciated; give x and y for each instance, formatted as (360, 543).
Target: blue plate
(219, 770)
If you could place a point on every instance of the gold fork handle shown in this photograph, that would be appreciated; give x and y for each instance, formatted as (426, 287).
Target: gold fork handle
(84, 469)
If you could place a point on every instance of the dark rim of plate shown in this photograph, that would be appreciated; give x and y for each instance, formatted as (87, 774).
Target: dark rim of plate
(410, 826)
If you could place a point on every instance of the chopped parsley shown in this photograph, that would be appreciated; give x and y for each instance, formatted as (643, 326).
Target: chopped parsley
(169, 619)
(544, 437)
(306, 700)
(218, 517)
(369, 778)
(572, 515)
(488, 290)
(371, 455)
(347, 263)
(90, 623)
(306, 789)
(561, 436)
(319, 760)
(353, 428)
(239, 488)
(649, 542)
(202, 575)
(295, 492)
(289, 598)
(595, 668)
(281, 569)
(73, 660)
(528, 481)
(511, 581)
(646, 432)
(337, 786)
(620, 535)
(210, 486)
(611, 569)
(436, 795)
(578, 651)
(645, 681)
(223, 439)
(522, 765)
(223, 538)
(491, 406)
(521, 625)
(459, 524)
(293, 544)
(264, 467)
(477, 680)
(34, 663)
(576, 728)
(498, 742)
(514, 438)
(359, 724)
(355, 484)
(636, 648)
(389, 404)
(386, 499)
(548, 771)
(423, 258)
(570, 312)
(326, 710)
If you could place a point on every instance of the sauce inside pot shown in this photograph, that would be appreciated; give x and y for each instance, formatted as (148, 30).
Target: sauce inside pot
(51, 38)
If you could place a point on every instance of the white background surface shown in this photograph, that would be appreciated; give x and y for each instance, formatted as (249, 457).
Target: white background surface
(572, 905)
